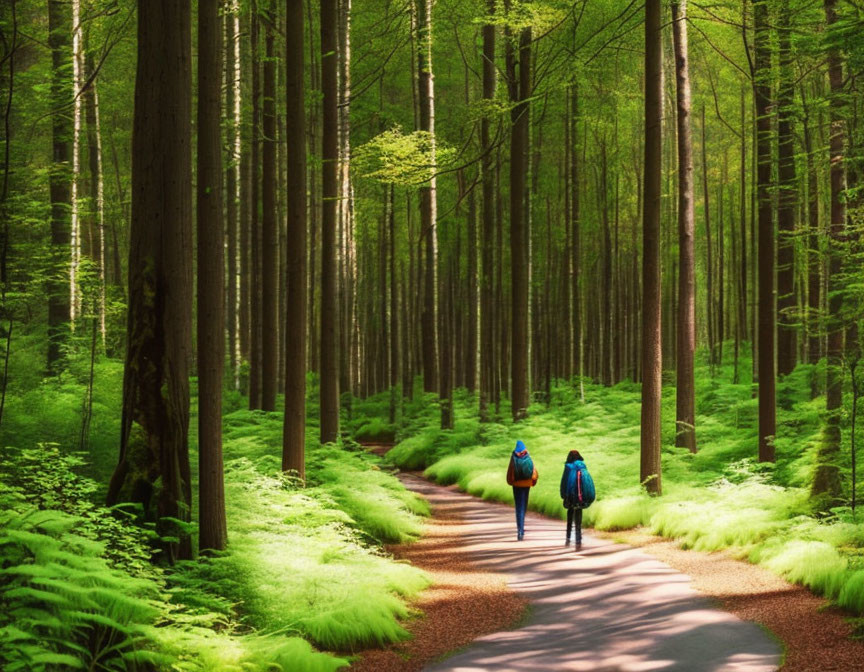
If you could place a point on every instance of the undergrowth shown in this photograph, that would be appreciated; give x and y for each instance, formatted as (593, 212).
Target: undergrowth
(719, 498)
(304, 566)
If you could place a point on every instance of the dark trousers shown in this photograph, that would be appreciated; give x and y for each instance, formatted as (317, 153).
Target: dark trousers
(574, 519)
(520, 497)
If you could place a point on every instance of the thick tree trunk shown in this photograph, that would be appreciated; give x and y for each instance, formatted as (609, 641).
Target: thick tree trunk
(212, 528)
(826, 480)
(787, 202)
(767, 309)
(60, 182)
(651, 299)
(685, 420)
(294, 429)
(155, 421)
(329, 387)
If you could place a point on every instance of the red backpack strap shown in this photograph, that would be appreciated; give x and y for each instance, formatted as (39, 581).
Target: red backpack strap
(579, 484)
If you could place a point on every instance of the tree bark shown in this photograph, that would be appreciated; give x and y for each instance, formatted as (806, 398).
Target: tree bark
(255, 282)
(269, 235)
(487, 174)
(651, 299)
(329, 386)
(685, 421)
(294, 428)
(767, 309)
(826, 480)
(213, 531)
(155, 420)
(520, 91)
(787, 202)
(60, 182)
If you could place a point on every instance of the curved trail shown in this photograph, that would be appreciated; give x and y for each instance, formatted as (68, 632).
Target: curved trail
(607, 608)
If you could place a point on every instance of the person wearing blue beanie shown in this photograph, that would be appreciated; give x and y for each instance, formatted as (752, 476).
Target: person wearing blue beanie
(522, 475)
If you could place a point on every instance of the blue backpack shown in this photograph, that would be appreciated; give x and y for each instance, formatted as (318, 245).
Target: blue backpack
(523, 467)
(579, 492)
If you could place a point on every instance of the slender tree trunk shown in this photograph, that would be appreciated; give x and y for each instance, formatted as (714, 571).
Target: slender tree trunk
(269, 235)
(212, 528)
(575, 227)
(60, 181)
(395, 395)
(685, 432)
(742, 216)
(651, 299)
(294, 429)
(767, 310)
(232, 110)
(709, 273)
(428, 199)
(155, 421)
(255, 288)
(826, 480)
(814, 256)
(787, 202)
(329, 388)
(487, 174)
(96, 209)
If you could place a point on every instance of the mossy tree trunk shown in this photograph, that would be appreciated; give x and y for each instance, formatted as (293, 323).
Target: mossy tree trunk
(155, 422)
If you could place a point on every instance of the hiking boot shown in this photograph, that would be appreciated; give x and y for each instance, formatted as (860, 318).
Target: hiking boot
(578, 546)
(567, 543)
(520, 536)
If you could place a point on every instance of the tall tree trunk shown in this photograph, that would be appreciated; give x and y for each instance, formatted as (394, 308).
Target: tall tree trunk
(60, 181)
(428, 199)
(787, 201)
(709, 272)
(520, 91)
(487, 174)
(96, 209)
(269, 234)
(329, 387)
(294, 428)
(255, 289)
(651, 299)
(232, 110)
(155, 421)
(767, 309)
(826, 480)
(814, 256)
(394, 312)
(742, 216)
(575, 227)
(685, 420)
(212, 528)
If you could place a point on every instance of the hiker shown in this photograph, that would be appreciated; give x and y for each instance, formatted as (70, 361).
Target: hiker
(577, 493)
(522, 475)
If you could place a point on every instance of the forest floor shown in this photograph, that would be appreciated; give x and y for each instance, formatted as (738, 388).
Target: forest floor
(627, 601)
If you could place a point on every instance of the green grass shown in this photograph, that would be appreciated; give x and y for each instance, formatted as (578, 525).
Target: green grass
(719, 498)
(305, 567)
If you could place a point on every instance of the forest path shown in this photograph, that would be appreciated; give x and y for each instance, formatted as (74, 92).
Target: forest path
(608, 607)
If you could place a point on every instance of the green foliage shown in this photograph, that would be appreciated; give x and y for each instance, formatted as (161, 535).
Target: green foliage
(719, 498)
(404, 159)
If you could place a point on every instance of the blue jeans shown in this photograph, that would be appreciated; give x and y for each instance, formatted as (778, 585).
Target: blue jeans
(520, 497)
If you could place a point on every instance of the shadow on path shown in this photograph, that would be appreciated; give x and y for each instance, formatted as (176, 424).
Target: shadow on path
(608, 607)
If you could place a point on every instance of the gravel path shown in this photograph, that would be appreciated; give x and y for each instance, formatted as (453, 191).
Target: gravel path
(607, 608)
